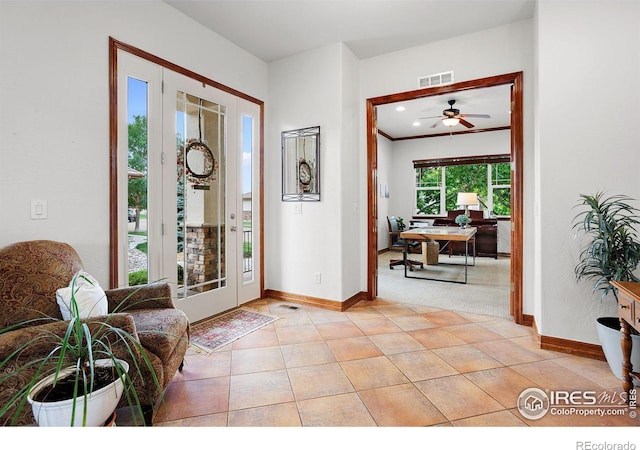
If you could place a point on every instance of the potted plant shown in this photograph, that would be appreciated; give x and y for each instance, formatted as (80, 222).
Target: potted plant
(463, 220)
(81, 379)
(611, 252)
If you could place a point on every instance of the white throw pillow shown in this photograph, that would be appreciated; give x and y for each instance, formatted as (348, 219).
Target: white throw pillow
(89, 296)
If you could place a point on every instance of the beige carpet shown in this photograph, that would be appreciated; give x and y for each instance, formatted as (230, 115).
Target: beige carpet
(486, 291)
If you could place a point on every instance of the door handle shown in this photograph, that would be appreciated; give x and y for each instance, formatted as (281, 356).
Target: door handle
(233, 228)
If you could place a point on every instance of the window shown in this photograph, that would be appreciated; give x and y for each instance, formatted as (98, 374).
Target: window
(438, 182)
(500, 189)
(429, 190)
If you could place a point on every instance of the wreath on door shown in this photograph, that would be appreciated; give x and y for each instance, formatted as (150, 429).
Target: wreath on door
(197, 177)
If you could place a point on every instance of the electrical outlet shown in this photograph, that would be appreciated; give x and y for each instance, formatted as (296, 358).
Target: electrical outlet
(317, 278)
(297, 208)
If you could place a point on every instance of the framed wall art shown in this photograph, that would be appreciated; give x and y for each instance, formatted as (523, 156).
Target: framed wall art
(301, 165)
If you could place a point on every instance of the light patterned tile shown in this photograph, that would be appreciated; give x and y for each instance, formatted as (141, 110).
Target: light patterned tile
(411, 322)
(328, 379)
(507, 352)
(495, 419)
(345, 410)
(503, 384)
(436, 338)
(306, 354)
(280, 415)
(458, 398)
(550, 375)
(401, 406)
(298, 335)
(256, 360)
(506, 328)
(372, 373)
(338, 330)
(466, 358)
(259, 389)
(471, 333)
(353, 348)
(422, 365)
(377, 326)
(392, 343)
(599, 371)
(194, 398)
(445, 318)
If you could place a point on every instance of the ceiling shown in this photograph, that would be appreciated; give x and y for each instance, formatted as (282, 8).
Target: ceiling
(494, 101)
(271, 30)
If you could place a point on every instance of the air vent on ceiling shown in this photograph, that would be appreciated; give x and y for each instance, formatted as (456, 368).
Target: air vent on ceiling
(437, 79)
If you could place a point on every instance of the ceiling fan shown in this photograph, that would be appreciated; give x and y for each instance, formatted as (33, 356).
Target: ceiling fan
(451, 117)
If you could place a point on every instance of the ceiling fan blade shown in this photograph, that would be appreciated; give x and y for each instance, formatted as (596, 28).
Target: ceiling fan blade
(435, 124)
(430, 117)
(482, 116)
(466, 124)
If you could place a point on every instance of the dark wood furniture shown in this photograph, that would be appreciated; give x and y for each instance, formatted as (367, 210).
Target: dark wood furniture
(486, 239)
(396, 243)
(629, 314)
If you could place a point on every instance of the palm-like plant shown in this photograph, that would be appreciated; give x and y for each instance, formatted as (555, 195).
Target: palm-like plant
(612, 251)
(73, 346)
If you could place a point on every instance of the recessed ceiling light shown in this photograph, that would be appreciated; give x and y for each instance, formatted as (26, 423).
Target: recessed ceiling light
(416, 124)
(400, 108)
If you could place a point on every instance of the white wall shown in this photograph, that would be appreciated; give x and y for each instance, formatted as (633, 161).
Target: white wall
(385, 147)
(588, 105)
(54, 113)
(500, 50)
(349, 181)
(314, 89)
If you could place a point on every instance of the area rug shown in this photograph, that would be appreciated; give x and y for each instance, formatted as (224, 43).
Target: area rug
(211, 334)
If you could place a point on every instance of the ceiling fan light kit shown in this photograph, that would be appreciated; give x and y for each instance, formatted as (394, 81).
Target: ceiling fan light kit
(451, 121)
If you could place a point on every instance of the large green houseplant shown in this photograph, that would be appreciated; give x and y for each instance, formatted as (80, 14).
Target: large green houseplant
(84, 363)
(611, 252)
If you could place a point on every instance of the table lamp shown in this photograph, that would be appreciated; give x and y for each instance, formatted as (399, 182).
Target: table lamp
(466, 199)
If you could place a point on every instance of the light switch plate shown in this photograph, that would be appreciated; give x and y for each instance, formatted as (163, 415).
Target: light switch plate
(38, 209)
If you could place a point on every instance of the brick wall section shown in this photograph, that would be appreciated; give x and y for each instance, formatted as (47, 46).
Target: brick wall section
(202, 255)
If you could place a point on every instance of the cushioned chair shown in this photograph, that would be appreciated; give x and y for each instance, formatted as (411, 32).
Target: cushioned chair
(396, 243)
(30, 274)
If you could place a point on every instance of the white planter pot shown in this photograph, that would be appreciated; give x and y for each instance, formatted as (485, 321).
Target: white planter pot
(610, 335)
(100, 404)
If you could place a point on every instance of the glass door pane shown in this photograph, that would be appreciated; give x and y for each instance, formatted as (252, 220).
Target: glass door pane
(137, 160)
(247, 199)
(201, 196)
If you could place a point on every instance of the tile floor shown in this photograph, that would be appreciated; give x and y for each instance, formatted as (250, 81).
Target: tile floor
(378, 364)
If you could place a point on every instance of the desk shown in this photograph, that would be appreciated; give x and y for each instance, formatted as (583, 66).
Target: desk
(440, 234)
(629, 314)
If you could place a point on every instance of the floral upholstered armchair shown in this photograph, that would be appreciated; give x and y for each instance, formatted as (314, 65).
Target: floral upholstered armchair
(30, 274)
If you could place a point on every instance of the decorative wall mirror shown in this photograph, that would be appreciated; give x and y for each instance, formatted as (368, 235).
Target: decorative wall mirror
(301, 165)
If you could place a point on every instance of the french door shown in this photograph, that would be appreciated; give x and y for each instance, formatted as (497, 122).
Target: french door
(189, 199)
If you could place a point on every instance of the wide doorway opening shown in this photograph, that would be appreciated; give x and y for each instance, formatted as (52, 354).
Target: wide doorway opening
(514, 225)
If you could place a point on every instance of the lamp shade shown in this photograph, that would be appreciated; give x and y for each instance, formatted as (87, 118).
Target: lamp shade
(451, 121)
(467, 198)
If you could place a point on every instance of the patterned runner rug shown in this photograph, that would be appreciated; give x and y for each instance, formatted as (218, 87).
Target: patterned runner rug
(211, 334)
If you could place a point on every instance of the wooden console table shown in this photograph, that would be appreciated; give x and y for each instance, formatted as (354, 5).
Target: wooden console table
(629, 313)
